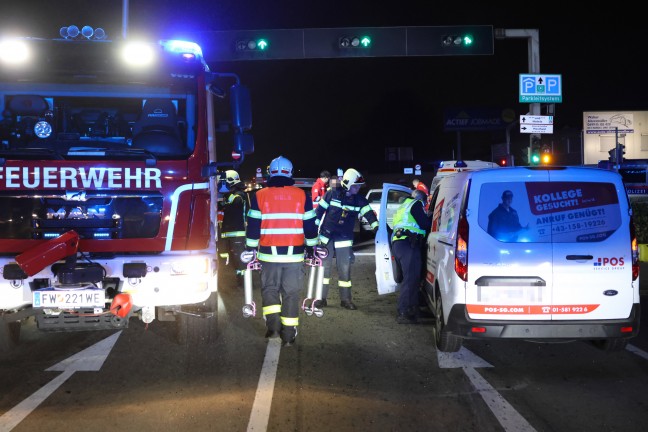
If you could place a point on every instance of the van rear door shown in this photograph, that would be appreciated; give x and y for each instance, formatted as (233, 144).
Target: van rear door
(592, 255)
(564, 253)
(509, 261)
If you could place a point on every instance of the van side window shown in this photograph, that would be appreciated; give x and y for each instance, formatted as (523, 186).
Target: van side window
(567, 212)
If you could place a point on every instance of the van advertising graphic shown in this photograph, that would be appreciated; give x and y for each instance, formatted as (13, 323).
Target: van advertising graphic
(549, 211)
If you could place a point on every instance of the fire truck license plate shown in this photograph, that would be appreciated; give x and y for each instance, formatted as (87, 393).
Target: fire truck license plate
(69, 298)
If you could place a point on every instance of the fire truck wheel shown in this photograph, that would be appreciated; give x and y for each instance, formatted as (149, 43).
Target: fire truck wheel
(9, 335)
(199, 325)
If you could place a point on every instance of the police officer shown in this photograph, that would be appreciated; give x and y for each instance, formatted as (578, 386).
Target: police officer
(281, 227)
(337, 214)
(234, 206)
(411, 223)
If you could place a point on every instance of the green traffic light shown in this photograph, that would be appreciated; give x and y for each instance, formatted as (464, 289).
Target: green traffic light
(365, 41)
(262, 44)
(535, 158)
(468, 40)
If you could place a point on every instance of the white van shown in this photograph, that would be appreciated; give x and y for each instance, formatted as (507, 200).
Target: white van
(454, 166)
(565, 267)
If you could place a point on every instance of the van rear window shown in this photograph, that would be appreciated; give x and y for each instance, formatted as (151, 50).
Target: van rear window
(542, 212)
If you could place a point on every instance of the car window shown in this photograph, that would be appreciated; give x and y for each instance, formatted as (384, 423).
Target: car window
(543, 212)
(374, 196)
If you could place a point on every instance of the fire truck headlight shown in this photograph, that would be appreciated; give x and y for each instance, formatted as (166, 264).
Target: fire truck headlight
(13, 51)
(191, 266)
(43, 129)
(138, 54)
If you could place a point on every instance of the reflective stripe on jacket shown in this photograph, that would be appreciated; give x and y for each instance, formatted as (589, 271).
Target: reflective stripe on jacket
(234, 209)
(281, 222)
(338, 212)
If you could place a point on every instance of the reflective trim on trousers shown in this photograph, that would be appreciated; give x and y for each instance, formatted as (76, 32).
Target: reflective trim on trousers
(287, 321)
(267, 310)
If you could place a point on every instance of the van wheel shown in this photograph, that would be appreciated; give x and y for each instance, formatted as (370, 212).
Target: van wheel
(444, 340)
(611, 345)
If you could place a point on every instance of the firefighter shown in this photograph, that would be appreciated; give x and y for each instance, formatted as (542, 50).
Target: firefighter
(337, 214)
(281, 227)
(319, 187)
(235, 206)
(411, 223)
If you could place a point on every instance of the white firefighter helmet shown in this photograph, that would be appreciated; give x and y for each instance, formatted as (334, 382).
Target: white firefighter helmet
(232, 178)
(352, 177)
(418, 194)
(280, 166)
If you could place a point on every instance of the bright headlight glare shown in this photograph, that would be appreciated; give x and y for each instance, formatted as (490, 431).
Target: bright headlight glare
(138, 54)
(14, 51)
(192, 266)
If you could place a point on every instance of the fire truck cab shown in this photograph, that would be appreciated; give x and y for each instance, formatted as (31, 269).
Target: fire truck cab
(107, 178)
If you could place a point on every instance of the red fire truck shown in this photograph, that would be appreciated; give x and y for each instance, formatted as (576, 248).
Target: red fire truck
(108, 173)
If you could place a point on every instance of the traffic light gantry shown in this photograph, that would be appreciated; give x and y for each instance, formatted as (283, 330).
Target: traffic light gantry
(275, 44)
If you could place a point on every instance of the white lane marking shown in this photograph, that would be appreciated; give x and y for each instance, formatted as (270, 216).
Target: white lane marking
(364, 253)
(460, 359)
(265, 389)
(633, 349)
(15, 415)
(90, 359)
(505, 414)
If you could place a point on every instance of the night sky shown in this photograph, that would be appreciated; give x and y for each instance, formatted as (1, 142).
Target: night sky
(329, 113)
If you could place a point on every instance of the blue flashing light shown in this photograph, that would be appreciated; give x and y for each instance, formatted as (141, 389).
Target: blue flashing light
(188, 50)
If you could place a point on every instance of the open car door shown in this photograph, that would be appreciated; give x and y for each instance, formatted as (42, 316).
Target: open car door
(392, 197)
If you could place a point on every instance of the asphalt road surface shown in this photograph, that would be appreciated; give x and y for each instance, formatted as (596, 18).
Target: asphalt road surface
(349, 371)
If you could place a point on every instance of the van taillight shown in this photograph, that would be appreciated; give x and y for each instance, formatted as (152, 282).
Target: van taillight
(461, 249)
(635, 250)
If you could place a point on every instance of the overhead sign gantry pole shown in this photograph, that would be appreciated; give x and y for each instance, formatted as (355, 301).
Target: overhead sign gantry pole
(533, 51)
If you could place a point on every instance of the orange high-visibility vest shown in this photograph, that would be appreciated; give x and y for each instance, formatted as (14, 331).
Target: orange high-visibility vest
(282, 216)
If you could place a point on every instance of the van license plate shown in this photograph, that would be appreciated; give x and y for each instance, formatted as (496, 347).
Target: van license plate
(69, 298)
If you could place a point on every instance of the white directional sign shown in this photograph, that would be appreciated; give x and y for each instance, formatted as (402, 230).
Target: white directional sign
(536, 88)
(536, 129)
(536, 124)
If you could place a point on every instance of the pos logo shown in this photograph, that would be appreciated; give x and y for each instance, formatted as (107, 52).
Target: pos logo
(609, 262)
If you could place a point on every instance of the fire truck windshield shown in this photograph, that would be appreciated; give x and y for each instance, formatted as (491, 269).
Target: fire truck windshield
(75, 98)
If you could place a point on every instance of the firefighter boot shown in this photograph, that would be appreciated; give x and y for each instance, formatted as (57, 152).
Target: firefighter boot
(345, 299)
(273, 324)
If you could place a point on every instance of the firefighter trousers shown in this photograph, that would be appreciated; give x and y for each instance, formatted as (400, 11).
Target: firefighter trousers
(281, 289)
(343, 253)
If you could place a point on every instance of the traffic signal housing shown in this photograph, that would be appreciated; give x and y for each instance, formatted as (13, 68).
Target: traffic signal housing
(260, 44)
(362, 42)
(546, 158)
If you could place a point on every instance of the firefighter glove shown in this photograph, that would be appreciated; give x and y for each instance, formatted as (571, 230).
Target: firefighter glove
(310, 253)
(248, 255)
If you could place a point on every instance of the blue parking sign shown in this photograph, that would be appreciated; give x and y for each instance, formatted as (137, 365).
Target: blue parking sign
(535, 88)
